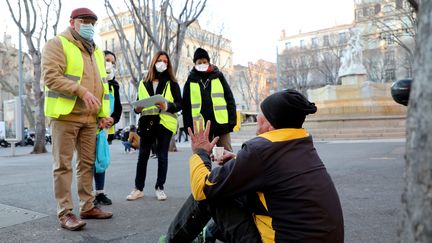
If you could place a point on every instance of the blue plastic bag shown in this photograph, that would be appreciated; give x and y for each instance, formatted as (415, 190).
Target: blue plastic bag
(103, 159)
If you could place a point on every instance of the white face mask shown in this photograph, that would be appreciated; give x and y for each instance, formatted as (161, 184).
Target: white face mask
(161, 66)
(109, 67)
(201, 67)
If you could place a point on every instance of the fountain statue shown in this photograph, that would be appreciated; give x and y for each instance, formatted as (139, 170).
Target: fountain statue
(352, 70)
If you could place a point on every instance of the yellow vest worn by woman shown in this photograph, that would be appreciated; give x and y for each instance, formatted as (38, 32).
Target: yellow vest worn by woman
(167, 119)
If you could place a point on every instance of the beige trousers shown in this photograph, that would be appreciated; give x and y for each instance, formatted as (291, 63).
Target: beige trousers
(225, 141)
(67, 137)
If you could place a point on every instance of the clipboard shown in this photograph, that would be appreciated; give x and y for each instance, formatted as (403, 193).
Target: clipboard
(151, 101)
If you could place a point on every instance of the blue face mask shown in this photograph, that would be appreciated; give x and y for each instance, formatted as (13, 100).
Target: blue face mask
(87, 31)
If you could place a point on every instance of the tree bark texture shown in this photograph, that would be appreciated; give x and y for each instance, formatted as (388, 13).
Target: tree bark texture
(416, 223)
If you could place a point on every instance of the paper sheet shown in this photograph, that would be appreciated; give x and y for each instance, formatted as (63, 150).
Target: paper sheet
(152, 100)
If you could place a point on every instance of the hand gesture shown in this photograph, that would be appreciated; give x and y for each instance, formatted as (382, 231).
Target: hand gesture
(91, 102)
(200, 140)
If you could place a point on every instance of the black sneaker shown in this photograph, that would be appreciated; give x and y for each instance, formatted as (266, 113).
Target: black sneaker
(103, 199)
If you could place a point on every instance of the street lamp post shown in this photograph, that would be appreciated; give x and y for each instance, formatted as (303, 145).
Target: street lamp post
(21, 84)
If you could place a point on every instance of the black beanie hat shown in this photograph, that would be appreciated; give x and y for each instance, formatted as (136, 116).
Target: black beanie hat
(106, 52)
(200, 53)
(287, 109)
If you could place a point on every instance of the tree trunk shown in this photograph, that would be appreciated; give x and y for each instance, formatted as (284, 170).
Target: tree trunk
(417, 196)
(39, 146)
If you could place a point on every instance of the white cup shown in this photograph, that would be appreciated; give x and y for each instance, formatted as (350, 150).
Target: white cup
(218, 153)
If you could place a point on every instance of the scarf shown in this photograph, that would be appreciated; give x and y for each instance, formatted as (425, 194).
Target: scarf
(88, 45)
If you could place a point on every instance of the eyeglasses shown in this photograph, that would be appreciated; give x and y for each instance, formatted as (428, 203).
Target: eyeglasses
(87, 21)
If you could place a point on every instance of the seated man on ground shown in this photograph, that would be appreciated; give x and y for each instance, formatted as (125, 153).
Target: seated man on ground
(276, 189)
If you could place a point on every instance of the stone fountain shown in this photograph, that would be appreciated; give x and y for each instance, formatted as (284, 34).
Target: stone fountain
(357, 102)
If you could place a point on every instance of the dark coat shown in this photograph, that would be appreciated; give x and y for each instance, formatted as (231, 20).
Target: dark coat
(114, 85)
(204, 80)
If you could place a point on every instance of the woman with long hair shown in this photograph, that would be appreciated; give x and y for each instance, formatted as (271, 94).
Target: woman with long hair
(158, 122)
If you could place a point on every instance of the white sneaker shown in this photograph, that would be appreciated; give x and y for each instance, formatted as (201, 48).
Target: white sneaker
(160, 195)
(134, 195)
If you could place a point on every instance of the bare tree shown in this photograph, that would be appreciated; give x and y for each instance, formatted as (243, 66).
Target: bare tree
(253, 82)
(396, 25)
(416, 199)
(328, 58)
(295, 67)
(34, 22)
(155, 29)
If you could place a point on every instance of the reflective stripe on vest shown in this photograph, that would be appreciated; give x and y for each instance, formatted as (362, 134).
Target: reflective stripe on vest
(218, 101)
(56, 103)
(195, 95)
(167, 119)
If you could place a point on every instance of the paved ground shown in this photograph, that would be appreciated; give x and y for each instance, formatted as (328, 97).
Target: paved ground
(367, 174)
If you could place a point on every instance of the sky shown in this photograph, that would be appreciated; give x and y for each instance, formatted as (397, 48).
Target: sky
(253, 26)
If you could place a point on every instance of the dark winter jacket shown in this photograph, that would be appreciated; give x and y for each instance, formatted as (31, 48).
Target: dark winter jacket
(204, 80)
(114, 85)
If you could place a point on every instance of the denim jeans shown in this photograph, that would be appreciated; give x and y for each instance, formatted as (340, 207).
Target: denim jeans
(163, 137)
(232, 217)
(99, 180)
(127, 146)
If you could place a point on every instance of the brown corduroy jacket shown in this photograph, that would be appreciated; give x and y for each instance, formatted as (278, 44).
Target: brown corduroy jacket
(53, 69)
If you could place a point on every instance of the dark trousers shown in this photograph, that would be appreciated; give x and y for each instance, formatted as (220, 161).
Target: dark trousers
(181, 131)
(163, 137)
(232, 217)
(99, 180)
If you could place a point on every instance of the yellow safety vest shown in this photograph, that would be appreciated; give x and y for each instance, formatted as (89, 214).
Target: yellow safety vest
(167, 119)
(57, 104)
(218, 100)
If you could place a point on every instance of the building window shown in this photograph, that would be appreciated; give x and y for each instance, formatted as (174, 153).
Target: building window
(377, 8)
(188, 51)
(359, 13)
(287, 45)
(302, 44)
(326, 41)
(112, 45)
(390, 74)
(390, 58)
(314, 42)
(342, 38)
(106, 44)
(365, 11)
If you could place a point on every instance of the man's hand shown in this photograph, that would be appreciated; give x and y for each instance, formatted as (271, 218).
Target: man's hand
(227, 156)
(199, 138)
(92, 103)
(105, 122)
(138, 109)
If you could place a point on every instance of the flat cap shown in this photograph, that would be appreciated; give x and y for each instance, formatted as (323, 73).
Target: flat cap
(83, 12)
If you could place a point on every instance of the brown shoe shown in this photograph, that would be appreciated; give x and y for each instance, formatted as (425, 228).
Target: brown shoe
(96, 213)
(71, 222)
